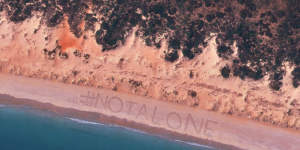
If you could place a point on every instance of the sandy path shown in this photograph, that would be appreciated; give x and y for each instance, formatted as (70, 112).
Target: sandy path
(206, 125)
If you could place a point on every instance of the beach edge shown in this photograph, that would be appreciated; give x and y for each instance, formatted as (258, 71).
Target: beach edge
(174, 121)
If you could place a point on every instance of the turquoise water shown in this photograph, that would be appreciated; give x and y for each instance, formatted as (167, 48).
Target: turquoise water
(27, 129)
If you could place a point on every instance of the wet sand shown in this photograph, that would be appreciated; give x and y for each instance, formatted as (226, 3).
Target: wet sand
(152, 116)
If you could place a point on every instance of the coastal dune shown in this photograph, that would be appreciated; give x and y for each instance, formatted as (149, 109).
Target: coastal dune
(220, 131)
(31, 49)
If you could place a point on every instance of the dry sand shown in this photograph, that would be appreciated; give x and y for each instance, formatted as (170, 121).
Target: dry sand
(202, 125)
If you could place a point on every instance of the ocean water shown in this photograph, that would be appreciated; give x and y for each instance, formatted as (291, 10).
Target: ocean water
(23, 128)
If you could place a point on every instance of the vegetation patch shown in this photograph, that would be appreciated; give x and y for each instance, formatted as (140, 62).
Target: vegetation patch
(266, 33)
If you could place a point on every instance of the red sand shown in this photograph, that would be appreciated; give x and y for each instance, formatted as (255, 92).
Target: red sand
(67, 39)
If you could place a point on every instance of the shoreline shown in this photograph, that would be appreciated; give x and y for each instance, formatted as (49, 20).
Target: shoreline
(93, 104)
(68, 113)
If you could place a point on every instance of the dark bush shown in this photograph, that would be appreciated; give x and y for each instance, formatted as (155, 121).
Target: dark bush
(200, 15)
(278, 76)
(99, 36)
(220, 14)
(251, 6)
(77, 53)
(1, 6)
(296, 73)
(296, 83)
(172, 10)
(210, 17)
(245, 14)
(157, 45)
(280, 13)
(86, 56)
(200, 24)
(192, 93)
(188, 53)
(172, 56)
(55, 19)
(174, 43)
(224, 51)
(275, 85)
(256, 75)
(241, 1)
(158, 9)
(90, 20)
(225, 71)
(228, 9)
(63, 55)
(209, 3)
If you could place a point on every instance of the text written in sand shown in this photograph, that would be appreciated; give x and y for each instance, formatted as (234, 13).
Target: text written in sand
(155, 115)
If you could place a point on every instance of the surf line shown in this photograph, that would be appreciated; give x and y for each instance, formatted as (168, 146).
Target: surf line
(156, 115)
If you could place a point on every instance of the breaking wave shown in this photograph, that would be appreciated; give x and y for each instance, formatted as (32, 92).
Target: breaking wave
(195, 144)
(84, 121)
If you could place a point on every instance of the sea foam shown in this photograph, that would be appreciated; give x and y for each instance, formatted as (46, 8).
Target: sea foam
(127, 128)
(84, 121)
(135, 130)
(195, 144)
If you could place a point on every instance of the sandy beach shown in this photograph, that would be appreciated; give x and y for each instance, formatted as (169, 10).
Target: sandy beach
(223, 74)
(150, 115)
